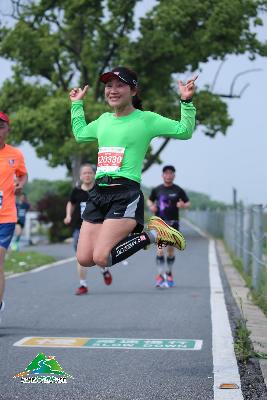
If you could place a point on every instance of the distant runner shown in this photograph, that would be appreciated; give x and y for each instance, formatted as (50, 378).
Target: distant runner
(165, 201)
(74, 210)
(11, 166)
(22, 208)
(115, 208)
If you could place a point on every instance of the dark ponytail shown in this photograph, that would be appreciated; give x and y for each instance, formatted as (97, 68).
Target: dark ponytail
(137, 102)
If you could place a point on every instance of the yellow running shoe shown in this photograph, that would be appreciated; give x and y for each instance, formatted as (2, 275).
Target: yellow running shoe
(166, 235)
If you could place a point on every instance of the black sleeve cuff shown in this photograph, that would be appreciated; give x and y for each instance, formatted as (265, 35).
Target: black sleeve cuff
(186, 101)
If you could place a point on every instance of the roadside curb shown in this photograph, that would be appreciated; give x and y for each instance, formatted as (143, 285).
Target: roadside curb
(256, 320)
(41, 268)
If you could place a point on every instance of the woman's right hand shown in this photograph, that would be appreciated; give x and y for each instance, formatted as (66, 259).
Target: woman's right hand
(78, 93)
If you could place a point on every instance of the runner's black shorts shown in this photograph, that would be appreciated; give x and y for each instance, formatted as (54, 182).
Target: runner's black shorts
(21, 223)
(124, 200)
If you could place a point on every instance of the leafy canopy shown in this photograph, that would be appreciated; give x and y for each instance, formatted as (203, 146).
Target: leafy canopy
(57, 44)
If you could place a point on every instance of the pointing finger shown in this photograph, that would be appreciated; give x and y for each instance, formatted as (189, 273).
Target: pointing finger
(192, 79)
(85, 89)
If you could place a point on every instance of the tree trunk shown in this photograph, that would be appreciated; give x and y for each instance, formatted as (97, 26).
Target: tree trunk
(75, 165)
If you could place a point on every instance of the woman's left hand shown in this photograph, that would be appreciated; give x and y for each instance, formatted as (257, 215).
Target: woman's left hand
(187, 91)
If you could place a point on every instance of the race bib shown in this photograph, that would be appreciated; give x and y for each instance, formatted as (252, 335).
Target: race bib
(21, 212)
(82, 207)
(110, 159)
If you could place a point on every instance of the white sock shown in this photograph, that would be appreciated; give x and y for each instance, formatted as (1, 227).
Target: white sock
(83, 283)
(104, 270)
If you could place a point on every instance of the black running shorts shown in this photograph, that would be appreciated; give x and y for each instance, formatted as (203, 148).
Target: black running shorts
(124, 200)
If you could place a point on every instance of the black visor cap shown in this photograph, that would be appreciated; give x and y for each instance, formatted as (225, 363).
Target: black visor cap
(121, 73)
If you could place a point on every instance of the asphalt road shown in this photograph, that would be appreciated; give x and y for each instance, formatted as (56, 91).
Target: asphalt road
(42, 304)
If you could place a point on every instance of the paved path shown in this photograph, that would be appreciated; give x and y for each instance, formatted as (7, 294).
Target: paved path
(42, 304)
(57, 250)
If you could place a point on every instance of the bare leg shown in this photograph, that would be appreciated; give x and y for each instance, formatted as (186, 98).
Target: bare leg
(160, 260)
(111, 233)
(170, 251)
(89, 235)
(160, 251)
(18, 230)
(82, 289)
(82, 272)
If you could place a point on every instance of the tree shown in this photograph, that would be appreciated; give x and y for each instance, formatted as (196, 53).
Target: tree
(52, 209)
(41, 188)
(56, 44)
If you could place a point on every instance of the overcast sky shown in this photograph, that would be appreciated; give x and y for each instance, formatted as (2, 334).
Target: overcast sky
(212, 166)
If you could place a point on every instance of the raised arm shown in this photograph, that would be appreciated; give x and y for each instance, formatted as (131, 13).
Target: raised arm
(183, 129)
(80, 129)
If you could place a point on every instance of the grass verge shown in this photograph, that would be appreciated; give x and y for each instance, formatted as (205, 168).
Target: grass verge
(243, 345)
(259, 298)
(25, 261)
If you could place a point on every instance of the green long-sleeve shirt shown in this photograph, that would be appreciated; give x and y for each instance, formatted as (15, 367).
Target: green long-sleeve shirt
(123, 141)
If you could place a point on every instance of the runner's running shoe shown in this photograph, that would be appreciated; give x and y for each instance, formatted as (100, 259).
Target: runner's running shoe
(107, 277)
(161, 281)
(170, 280)
(81, 290)
(166, 235)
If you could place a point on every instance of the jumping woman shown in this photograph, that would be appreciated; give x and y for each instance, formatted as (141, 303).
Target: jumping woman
(113, 219)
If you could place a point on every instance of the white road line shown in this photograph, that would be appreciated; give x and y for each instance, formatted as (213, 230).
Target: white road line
(225, 368)
(42, 268)
(195, 228)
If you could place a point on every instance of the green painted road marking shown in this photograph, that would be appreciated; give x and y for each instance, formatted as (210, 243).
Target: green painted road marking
(159, 344)
(111, 343)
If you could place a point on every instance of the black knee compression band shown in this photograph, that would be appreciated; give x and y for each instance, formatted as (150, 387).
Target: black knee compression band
(170, 260)
(128, 246)
(160, 260)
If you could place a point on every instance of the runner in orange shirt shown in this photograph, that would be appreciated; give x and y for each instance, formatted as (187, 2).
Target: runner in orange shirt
(11, 166)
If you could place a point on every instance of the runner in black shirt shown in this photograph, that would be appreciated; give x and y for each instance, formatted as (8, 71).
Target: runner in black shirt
(165, 201)
(23, 207)
(74, 210)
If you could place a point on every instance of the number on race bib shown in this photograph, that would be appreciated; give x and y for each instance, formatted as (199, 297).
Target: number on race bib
(110, 159)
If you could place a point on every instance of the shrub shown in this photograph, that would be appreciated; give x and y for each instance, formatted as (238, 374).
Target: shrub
(52, 209)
